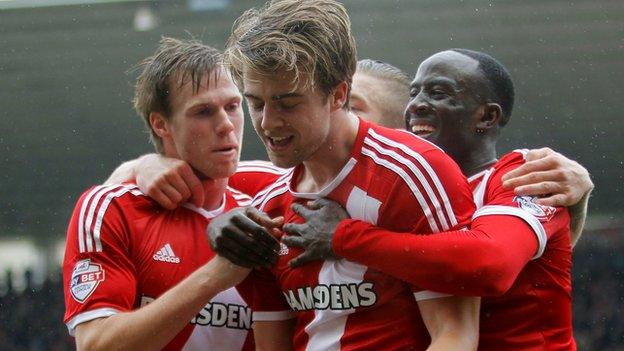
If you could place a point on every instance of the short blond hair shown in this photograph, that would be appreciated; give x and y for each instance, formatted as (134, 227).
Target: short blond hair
(392, 98)
(175, 61)
(311, 38)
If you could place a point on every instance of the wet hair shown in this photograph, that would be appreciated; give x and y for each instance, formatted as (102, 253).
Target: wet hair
(498, 79)
(311, 38)
(393, 96)
(174, 62)
(383, 70)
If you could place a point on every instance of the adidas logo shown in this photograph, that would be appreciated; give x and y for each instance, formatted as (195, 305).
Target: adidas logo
(166, 254)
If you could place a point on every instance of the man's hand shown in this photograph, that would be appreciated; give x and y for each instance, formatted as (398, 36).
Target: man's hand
(321, 217)
(242, 236)
(559, 180)
(169, 181)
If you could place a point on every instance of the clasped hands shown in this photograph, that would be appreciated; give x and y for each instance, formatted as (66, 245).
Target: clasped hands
(250, 238)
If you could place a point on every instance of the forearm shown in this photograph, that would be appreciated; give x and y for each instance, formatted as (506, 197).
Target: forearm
(274, 335)
(452, 322)
(578, 215)
(153, 326)
(454, 342)
(483, 261)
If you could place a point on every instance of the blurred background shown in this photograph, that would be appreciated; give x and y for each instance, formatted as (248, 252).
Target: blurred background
(66, 120)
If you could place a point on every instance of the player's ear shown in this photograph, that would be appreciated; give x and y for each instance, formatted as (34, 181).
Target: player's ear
(492, 114)
(159, 124)
(338, 96)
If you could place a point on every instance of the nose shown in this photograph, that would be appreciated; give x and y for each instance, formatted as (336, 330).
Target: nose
(418, 106)
(225, 124)
(271, 118)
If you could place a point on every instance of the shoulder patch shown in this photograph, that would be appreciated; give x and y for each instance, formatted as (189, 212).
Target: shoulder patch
(85, 278)
(527, 203)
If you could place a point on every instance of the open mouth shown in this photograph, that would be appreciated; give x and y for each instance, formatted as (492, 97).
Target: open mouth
(421, 129)
(278, 143)
(226, 150)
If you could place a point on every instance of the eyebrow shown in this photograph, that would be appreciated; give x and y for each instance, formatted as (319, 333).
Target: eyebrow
(437, 80)
(274, 97)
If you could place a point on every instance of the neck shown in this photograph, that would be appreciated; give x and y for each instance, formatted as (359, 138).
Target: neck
(478, 158)
(213, 193)
(320, 169)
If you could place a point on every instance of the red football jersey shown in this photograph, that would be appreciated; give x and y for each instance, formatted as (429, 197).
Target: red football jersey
(123, 251)
(254, 176)
(392, 179)
(536, 313)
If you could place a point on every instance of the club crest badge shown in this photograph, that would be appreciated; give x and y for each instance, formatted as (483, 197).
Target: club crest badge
(542, 213)
(85, 278)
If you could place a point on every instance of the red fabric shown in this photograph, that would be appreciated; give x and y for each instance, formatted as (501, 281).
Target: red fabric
(461, 262)
(254, 176)
(142, 252)
(532, 309)
(344, 305)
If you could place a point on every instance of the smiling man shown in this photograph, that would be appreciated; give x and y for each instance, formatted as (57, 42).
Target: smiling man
(517, 252)
(295, 61)
(137, 276)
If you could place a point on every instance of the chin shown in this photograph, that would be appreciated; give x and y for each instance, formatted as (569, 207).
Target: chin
(218, 171)
(283, 162)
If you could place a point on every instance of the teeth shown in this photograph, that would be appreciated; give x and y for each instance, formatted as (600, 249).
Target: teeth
(422, 128)
(278, 139)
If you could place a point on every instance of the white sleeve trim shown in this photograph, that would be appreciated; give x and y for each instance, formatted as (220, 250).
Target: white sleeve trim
(273, 316)
(534, 223)
(429, 295)
(89, 316)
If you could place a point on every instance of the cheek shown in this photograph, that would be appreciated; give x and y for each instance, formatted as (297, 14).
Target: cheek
(239, 126)
(256, 121)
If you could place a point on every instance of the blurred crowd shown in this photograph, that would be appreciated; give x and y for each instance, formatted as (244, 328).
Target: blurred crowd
(32, 319)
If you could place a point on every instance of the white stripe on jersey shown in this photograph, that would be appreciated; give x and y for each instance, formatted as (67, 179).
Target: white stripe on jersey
(83, 210)
(410, 183)
(260, 166)
(102, 211)
(533, 222)
(279, 187)
(241, 198)
(86, 237)
(478, 193)
(360, 205)
(328, 326)
(275, 192)
(419, 175)
(432, 174)
(278, 182)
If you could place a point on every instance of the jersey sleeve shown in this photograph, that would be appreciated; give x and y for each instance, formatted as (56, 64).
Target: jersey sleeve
(98, 275)
(253, 176)
(482, 261)
(263, 295)
(430, 196)
(544, 221)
